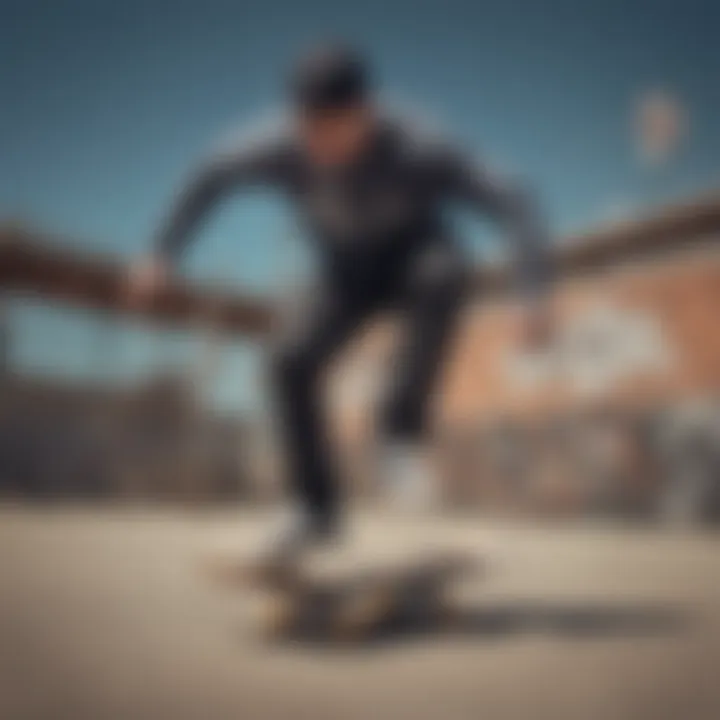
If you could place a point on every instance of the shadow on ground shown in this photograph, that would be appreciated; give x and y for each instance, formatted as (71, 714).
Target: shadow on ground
(492, 622)
(583, 620)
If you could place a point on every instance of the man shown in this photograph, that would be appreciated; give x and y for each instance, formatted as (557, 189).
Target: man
(371, 193)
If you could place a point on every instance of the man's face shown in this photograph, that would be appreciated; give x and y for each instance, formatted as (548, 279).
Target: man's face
(335, 137)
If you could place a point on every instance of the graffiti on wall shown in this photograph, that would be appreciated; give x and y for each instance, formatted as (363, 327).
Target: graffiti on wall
(595, 350)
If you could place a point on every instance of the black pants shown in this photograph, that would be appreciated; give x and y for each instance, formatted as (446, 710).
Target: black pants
(425, 285)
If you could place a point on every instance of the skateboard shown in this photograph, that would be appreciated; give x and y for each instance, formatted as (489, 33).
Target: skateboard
(354, 604)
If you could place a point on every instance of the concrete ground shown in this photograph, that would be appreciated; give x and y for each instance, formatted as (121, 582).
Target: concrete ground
(106, 615)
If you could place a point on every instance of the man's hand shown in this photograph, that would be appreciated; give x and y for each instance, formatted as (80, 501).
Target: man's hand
(537, 328)
(146, 279)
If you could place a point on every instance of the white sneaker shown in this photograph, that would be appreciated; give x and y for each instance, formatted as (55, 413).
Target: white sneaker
(293, 534)
(407, 478)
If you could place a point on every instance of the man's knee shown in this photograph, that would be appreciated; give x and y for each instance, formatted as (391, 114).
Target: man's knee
(441, 275)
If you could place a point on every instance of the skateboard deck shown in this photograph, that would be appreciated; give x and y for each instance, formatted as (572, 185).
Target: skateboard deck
(354, 603)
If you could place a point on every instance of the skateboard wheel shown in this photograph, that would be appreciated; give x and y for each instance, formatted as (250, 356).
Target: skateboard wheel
(363, 614)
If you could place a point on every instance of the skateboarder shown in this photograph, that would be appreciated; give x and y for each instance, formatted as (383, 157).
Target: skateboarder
(371, 191)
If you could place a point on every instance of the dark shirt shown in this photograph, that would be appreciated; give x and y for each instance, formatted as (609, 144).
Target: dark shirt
(393, 196)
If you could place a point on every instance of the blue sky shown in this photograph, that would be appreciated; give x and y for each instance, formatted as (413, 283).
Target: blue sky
(105, 105)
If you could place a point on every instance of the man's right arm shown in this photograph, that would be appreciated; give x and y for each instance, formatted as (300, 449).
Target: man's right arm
(251, 164)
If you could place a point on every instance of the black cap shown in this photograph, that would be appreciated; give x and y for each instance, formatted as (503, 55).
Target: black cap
(329, 77)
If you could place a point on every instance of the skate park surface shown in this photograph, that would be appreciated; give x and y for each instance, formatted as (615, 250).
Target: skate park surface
(105, 614)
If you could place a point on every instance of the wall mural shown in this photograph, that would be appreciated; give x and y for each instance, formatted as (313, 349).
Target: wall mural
(598, 348)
